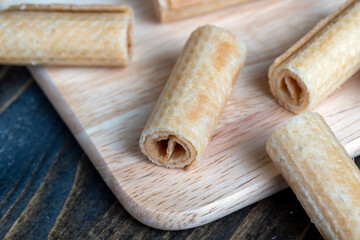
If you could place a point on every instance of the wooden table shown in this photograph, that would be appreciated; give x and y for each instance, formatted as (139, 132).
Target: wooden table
(49, 188)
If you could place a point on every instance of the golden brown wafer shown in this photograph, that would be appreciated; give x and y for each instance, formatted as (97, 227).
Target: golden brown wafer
(172, 10)
(181, 124)
(71, 35)
(320, 62)
(320, 172)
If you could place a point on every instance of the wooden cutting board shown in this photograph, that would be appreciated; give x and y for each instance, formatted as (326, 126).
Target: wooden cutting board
(106, 109)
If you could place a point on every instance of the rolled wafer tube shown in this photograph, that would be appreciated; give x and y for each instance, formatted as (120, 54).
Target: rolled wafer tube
(72, 35)
(320, 172)
(320, 62)
(183, 119)
(172, 10)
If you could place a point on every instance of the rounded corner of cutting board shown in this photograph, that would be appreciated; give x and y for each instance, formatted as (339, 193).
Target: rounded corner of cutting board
(141, 212)
(175, 219)
(160, 220)
(180, 218)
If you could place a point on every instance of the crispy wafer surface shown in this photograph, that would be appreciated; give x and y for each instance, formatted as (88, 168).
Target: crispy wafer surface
(193, 98)
(323, 176)
(66, 35)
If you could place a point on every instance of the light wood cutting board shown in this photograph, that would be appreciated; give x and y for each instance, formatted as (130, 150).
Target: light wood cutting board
(106, 109)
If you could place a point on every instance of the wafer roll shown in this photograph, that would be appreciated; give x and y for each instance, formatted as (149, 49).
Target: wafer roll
(320, 62)
(172, 10)
(83, 35)
(323, 176)
(183, 119)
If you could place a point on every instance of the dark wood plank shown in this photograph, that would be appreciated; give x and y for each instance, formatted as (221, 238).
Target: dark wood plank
(50, 190)
(86, 205)
(34, 174)
(278, 217)
(13, 82)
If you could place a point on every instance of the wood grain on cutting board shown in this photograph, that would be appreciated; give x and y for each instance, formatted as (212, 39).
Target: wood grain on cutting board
(106, 109)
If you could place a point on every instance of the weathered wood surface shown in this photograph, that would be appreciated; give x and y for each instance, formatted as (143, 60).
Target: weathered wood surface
(50, 189)
(106, 110)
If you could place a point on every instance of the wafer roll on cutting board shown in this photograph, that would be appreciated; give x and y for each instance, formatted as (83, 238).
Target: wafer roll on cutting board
(183, 119)
(321, 173)
(71, 35)
(320, 62)
(172, 10)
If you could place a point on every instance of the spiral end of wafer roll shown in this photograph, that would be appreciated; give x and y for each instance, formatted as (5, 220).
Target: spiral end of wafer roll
(289, 90)
(167, 148)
